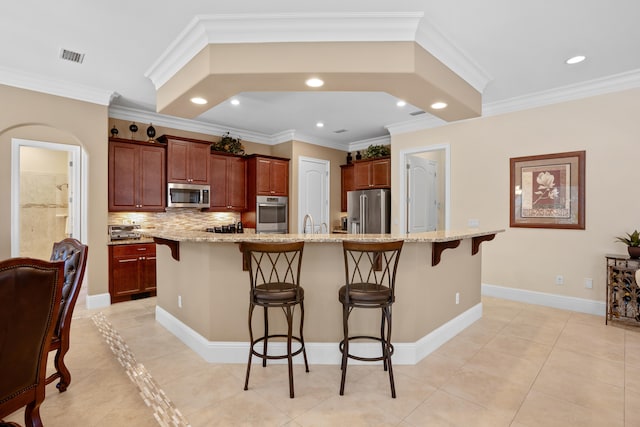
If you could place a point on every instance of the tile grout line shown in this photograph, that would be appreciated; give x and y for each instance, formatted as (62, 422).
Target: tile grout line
(164, 411)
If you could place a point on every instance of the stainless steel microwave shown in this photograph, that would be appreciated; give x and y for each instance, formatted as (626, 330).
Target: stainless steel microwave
(187, 195)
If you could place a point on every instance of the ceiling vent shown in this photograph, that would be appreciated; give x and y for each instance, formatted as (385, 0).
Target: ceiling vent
(416, 113)
(69, 55)
(340, 131)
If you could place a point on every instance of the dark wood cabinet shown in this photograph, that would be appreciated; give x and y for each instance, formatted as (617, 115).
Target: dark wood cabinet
(374, 173)
(132, 271)
(137, 177)
(347, 184)
(187, 160)
(228, 178)
(271, 176)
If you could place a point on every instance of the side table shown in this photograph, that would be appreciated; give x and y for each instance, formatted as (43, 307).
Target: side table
(623, 294)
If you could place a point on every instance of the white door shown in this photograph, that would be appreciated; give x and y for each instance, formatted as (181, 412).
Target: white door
(422, 197)
(313, 195)
(45, 196)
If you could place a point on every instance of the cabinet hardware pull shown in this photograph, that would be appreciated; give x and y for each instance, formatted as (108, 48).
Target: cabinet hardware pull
(128, 260)
(142, 249)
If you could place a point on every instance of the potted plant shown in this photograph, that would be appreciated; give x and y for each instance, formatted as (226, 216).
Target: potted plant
(374, 151)
(228, 144)
(632, 240)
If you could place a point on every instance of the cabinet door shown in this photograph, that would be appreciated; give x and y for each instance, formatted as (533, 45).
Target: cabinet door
(218, 182)
(263, 177)
(346, 172)
(122, 176)
(125, 275)
(236, 183)
(153, 182)
(198, 163)
(279, 179)
(148, 271)
(177, 161)
(380, 173)
(361, 175)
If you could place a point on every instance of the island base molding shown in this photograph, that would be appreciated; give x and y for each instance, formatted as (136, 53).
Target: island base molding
(319, 353)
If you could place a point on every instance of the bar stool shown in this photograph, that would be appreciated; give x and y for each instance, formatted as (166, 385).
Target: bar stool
(274, 270)
(370, 277)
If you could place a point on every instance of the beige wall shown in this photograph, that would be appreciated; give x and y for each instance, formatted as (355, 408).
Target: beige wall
(36, 116)
(336, 158)
(606, 126)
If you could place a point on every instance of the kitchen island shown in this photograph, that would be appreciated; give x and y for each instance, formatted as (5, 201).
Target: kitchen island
(203, 292)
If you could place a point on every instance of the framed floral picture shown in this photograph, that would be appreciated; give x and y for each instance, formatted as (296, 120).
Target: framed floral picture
(547, 191)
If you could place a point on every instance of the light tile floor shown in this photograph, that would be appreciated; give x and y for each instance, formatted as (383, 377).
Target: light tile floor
(520, 365)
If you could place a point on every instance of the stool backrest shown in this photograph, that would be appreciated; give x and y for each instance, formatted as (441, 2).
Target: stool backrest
(273, 262)
(373, 263)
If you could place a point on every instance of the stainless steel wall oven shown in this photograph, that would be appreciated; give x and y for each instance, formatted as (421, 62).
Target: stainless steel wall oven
(272, 214)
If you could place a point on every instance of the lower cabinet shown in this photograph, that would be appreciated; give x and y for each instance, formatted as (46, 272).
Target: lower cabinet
(132, 271)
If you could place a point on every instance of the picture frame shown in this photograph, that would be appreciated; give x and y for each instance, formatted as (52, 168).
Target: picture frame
(547, 191)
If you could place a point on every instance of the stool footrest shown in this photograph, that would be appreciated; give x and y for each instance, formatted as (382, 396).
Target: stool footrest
(367, 359)
(275, 357)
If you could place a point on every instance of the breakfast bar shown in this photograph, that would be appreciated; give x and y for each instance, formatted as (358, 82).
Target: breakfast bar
(202, 291)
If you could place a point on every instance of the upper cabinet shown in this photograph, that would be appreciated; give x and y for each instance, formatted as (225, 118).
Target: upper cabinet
(347, 184)
(228, 177)
(373, 173)
(268, 176)
(137, 178)
(187, 160)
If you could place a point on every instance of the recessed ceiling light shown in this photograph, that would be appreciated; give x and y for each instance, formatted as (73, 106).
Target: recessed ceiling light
(575, 59)
(439, 105)
(401, 103)
(320, 124)
(235, 101)
(314, 82)
(198, 100)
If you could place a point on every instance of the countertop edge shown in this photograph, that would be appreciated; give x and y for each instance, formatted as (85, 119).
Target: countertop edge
(204, 237)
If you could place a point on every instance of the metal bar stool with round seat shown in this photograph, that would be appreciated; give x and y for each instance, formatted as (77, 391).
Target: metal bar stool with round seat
(274, 270)
(370, 277)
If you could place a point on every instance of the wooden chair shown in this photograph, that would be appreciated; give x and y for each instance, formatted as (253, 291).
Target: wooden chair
(30, 292)
(274, 270)
(74, 255)
(370, 278)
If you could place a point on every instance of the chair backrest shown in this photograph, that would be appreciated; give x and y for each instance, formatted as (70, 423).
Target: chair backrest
(273, 262)
(74, 254)
(372, 263)
(30, 292)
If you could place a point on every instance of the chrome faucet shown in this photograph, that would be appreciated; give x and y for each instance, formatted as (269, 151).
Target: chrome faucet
(324, 227)
(304, 224)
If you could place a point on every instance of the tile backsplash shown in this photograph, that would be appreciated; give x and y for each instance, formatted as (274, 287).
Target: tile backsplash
(176, 218)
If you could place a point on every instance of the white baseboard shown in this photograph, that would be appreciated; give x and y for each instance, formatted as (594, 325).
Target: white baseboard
(318, 353)
(98, 301)
(550, 300)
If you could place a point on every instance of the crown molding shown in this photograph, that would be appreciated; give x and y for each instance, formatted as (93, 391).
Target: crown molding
(457, 60)
(140, 116)
(600, 86)
(414, 125)
(39, 83)
(280, 28)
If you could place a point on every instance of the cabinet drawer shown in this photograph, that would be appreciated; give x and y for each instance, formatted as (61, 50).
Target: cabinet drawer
(148, 249)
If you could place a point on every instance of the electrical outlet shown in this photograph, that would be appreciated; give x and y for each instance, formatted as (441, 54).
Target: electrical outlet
(457, 297)
(179, 301)
(588, 283)
(473, 223)
(559, 280)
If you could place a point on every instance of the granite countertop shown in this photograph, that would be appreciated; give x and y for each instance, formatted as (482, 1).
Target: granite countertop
(204, 237)
(144, 239)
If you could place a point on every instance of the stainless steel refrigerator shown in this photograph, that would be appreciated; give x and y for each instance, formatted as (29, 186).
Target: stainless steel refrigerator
(369, 211)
